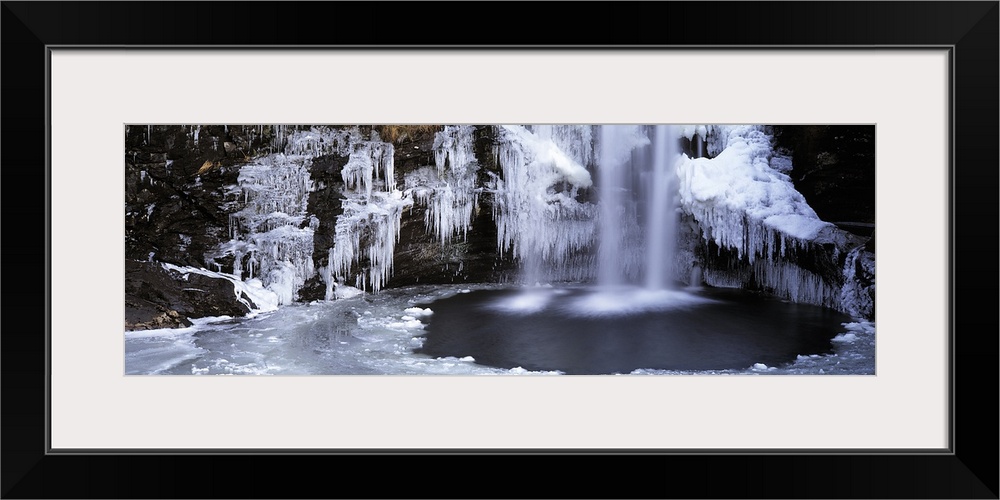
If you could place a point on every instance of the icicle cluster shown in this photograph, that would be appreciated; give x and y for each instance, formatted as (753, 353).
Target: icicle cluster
(369, 160)
(319, 141)
(537, 214)
(449, 188)
(268, 241)
(741, 203)
(366, 233)
(365, 236)
(271, 236)
(783, 279)
(576, 141)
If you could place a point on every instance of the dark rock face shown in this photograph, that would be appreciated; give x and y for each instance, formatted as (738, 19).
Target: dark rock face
(177, 190)
(859, 276)
(326, 204)
(179, 193)
(159, 298)
(834, 169)
(421, 259)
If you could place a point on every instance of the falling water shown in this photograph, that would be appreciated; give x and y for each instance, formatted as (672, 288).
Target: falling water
(661, 215)
(621, 171)
(612, 179)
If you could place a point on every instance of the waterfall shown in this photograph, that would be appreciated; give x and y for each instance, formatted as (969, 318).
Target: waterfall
(661, 215)
(612, 180)
(635, 188)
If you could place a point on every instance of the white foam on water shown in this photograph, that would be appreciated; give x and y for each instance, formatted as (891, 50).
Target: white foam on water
(620, 301)
(526, 302)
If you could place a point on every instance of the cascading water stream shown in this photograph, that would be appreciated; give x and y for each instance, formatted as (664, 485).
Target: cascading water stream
(611, 177)
(661, 216)
(619, 173)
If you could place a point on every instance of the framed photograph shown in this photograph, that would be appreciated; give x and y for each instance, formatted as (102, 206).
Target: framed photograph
(268, 110)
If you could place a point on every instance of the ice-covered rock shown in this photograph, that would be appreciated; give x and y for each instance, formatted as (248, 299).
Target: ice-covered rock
(538, 216)
(448, 189)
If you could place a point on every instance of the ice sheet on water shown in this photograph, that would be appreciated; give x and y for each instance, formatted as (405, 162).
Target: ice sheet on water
(860, 327)
(417, 311)
(161, 332)
(346, 292)
(845, 337)
(331, 338)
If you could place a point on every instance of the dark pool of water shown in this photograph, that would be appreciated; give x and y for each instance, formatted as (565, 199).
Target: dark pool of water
(731, 330)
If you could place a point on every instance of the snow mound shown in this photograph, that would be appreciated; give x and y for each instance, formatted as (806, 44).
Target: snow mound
(742, 203)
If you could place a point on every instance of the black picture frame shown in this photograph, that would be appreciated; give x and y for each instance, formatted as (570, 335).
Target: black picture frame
(968, 470)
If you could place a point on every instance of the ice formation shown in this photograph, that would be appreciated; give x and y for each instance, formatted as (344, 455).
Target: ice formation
(262, 299)
(449, 188)
(856, 297)
(368, 229)
(365, 237)
(319, 141)
(369, 161)
(575, 141)
(272, 235)
(538, 216)
(783, 279)
(743, 204)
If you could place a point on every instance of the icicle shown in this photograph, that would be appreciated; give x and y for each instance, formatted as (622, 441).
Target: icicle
(449, 190)
(544, 228)
(740, 203)
(275, 193)
(376, 220)
(369, 159)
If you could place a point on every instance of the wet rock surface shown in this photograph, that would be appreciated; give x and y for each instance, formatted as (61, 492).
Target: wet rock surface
(159, 298)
